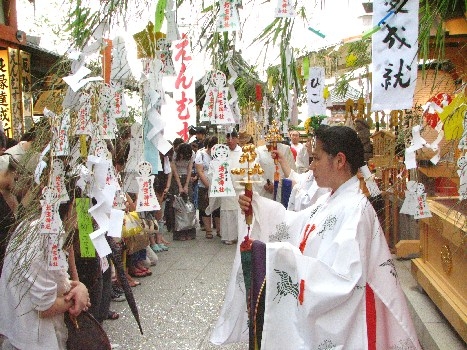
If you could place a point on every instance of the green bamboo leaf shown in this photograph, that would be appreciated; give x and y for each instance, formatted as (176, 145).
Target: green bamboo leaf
(159, 15)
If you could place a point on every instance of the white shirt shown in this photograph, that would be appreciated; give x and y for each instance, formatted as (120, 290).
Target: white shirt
(34, 288)
(302, 160)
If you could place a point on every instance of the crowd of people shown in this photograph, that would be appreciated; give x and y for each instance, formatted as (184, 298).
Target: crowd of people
(332, 242)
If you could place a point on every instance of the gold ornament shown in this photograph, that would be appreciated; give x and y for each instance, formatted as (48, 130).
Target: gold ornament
(446, 259)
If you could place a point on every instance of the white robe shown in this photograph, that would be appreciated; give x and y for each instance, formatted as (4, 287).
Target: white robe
(229, 205)
(345, 261)
(267, 164)
(305, 191)
(232, 324)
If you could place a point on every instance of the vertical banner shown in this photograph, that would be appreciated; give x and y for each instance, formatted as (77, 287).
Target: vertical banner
(315, 88)
(184, 91)
(16, 102)
(5, 111)
(394, 52)
(26, 83)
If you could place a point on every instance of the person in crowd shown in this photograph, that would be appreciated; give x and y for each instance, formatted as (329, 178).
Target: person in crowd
(35, 298)
(245, 138)
(331, 263)
(268, 164)
(3, 142)
(305, 190)
(200, 136)
(202, 162)
(157, 241)
(180, 183)
(8, 202)
(228, 205)
(194, 176)
(301, 154)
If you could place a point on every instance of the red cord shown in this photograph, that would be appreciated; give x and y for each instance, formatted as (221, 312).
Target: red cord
(306, 233)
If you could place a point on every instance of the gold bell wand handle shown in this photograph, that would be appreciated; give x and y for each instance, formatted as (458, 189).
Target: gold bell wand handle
(249, 212)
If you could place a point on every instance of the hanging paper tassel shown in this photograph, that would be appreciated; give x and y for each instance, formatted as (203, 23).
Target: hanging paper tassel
(259, 93)
(371, 185)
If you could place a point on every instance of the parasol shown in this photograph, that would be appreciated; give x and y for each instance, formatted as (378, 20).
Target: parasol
(116, 257)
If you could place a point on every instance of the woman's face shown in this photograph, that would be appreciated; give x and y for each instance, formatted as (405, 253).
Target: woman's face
(323, 166)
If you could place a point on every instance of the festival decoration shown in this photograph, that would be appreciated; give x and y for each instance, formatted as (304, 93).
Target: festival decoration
(120, 69)
(285, 9)
(415, 201)
(272, 138)
(56, 257)
(83, 121)
(184, 92)
(434, 106)
(233, 101)
(172, 27)
(369, 178)
(394, 54)
(118, 107)
(58, 180)
(221, 184)
(452, 117)
(50, 219)
(228, 20)
(60, 134)
(105, 120)
(164, 53)
(216, 108)
(146, 200)
(315, 88)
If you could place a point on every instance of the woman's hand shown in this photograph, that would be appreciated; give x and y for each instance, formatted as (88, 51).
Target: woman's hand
(80, 296)
(244, 202)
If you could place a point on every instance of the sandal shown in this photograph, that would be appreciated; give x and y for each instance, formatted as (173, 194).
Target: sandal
(156, 248)
(112, 315)
(163, 247)
(209, 235)
(135, 272)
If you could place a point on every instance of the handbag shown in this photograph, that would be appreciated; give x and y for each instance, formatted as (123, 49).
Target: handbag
(137, 242)
(131, 224)
(185, 213)
(85, 333)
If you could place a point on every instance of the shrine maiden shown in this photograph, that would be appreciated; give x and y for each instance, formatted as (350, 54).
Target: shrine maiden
(331, 280)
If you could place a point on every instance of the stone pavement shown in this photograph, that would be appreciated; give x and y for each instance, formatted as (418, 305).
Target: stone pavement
(179, 304)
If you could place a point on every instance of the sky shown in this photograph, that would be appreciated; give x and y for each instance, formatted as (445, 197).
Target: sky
(338, 19)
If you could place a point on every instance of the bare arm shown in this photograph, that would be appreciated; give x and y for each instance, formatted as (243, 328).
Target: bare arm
(202, 176)
(72, 264)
